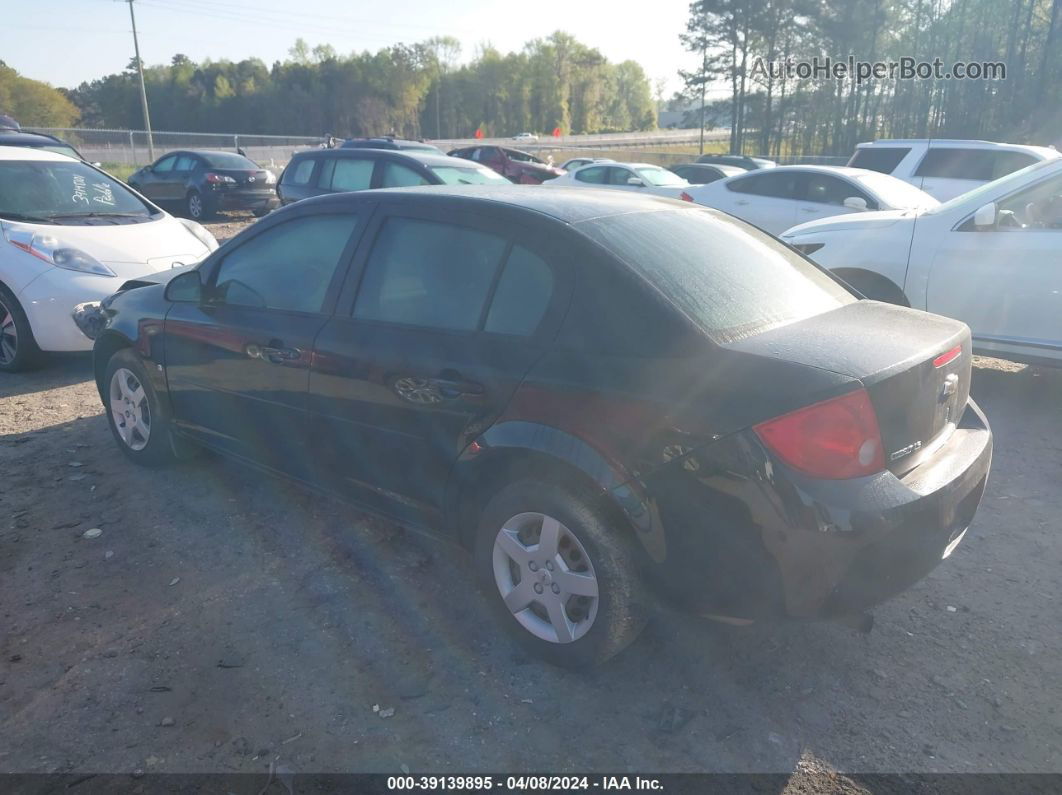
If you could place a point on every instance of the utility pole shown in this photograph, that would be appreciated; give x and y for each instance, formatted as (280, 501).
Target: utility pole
(704, 80)
(143, 89)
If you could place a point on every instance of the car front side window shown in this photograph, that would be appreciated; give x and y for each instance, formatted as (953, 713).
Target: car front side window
(287, 267)
(1037, 208)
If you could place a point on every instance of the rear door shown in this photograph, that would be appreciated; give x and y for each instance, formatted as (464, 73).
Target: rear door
(948, 171)
(238, 363)
(176, 186)
(1006, 282)
(425, 352)
(765, 198)
(343, 174)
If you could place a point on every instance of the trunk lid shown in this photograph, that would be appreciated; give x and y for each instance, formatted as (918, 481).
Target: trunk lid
(893, 351)
(246, 179)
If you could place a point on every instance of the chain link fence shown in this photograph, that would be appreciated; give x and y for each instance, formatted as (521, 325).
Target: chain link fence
(132, 148)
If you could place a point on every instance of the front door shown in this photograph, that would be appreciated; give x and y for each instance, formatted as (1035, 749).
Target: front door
(238, 363)
(448, 318)
(1006, 282)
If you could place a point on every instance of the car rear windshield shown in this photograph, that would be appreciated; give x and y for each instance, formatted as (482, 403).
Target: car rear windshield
(729, 278)
(659, 177)
(895, 192)
(48, 192)
(229, 160)
(456, 175)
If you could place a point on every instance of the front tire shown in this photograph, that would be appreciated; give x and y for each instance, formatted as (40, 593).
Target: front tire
(195, 206)
(138, 420)
(18, 348)
(560, 575)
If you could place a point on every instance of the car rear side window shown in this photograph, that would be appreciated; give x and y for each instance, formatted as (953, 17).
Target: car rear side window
(396, 175)
(883, 159)
(288, 266)
(301, 173)
(522, 295)
(955, 163)
(425, 273)
(598, 175)
(351, 174)
(779, 186)
(1007, 162)
(729, 278)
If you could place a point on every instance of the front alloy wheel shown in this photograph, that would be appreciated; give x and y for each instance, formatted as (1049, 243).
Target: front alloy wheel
(545, 577)
(8, 336)
(130, 409)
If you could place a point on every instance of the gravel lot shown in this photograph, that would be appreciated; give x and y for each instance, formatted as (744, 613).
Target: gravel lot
(222, 620)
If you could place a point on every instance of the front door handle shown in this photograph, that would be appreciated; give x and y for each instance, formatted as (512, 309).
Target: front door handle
(809, 209)
(741, 202)
(273, 352)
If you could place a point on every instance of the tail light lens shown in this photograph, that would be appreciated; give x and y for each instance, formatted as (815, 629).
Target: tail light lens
(685, 197)
(835, 439)
(219, 179)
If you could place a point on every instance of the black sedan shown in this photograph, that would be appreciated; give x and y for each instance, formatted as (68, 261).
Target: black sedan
(598, 395)
(202, 182)
(319, 171)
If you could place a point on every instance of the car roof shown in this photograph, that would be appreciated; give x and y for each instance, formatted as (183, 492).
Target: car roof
(569, 205)
(17, 138)
(969, 143)
(391, 143)
(202, 152)
(360, 153)
(840, 171)
(31, 153)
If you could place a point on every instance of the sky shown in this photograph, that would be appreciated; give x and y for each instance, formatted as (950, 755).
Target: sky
(66, 42)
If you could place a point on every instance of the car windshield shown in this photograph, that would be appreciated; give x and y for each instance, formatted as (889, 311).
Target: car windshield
(457, 175)
(1000, 187)
(895, 192)
(660, 177)
(228, 160)
(61, 149)
(522, 157)
(48, 191)
(729, 278)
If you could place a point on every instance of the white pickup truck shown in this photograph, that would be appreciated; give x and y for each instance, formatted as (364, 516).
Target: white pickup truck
(991, 258)
(946, 168)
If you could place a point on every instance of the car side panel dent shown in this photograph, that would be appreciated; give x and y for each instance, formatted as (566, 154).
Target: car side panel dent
(622, 491)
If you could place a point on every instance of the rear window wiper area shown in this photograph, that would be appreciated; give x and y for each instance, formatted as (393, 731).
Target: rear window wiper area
(29, 219)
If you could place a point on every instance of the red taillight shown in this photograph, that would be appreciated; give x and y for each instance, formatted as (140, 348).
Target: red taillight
(944, 358)
(685, 197)
(835, 439)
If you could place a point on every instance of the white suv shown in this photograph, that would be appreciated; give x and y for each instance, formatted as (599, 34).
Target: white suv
(946, 168)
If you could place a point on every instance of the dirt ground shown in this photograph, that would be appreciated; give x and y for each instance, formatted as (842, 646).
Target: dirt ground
(222, 620)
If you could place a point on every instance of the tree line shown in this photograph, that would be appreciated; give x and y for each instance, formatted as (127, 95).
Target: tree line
(776, 113)
(418, 90)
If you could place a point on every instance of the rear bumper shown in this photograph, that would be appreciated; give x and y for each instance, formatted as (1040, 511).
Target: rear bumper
(748, 538)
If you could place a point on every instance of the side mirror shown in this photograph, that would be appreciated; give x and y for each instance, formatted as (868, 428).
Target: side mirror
(855, 203)
(635, 182)
(985, 217)
(185, 288)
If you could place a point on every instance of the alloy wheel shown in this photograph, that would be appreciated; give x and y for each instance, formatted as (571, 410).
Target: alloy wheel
(129, 409)
(8, 335)
(195, 206)
(545, 577)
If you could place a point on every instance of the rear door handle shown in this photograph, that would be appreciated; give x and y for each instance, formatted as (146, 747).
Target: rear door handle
(809, 210)
(741, 202)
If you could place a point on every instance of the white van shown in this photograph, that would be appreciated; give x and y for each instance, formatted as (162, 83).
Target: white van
(946, 168)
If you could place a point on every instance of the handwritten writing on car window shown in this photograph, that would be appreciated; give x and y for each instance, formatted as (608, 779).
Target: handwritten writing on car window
(103, 194)
(80, 194)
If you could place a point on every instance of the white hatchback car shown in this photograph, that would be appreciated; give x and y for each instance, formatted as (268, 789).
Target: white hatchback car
(777, 198)
(73, 234)
(642, 177)
(991, 258)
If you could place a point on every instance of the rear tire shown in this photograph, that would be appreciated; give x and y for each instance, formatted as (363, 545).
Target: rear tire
(18, 348)
(140, 422)
(573, 594)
